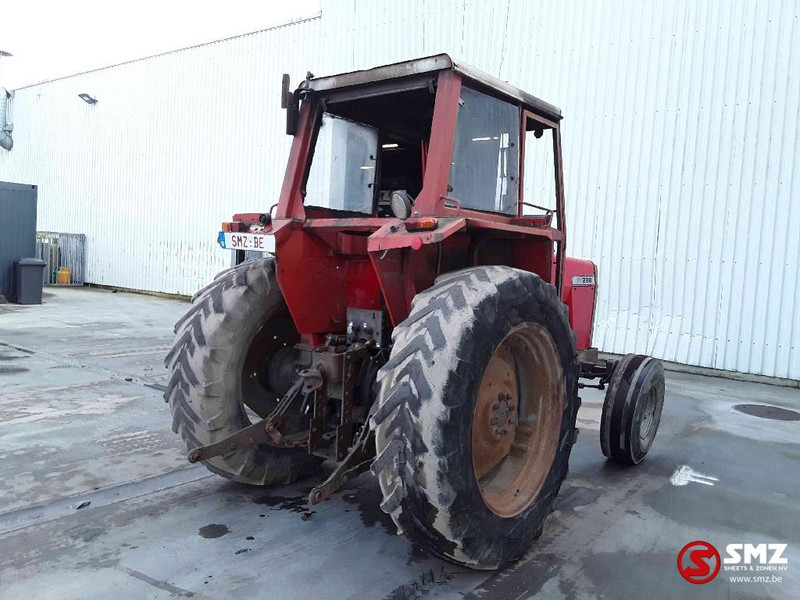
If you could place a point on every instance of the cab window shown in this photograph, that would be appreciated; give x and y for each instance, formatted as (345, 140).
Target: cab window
(484, 172)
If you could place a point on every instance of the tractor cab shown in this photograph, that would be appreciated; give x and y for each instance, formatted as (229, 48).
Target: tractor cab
(374, 131)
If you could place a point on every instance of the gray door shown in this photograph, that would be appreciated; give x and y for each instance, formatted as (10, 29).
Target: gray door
(17, 230)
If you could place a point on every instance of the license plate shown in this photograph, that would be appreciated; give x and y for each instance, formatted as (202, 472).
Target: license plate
(255, 242)
(581, 280)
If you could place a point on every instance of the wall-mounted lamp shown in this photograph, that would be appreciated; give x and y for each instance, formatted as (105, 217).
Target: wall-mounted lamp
(87, 98)
(6, 141)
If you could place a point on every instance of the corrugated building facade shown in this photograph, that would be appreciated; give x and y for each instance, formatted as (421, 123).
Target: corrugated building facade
(680, 144)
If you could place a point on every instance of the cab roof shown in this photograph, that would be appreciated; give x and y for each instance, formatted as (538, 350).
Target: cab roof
(431, 64)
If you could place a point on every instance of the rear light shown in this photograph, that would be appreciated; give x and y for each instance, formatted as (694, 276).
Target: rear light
(234, 226)
(423, 224)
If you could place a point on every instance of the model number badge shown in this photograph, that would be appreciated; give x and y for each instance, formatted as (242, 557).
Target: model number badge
(579, 280)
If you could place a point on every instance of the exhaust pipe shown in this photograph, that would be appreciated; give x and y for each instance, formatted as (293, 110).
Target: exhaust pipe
(6, 141)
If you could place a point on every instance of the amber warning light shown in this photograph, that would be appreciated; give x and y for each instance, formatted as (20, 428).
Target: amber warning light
(234, 226)
(423, 224)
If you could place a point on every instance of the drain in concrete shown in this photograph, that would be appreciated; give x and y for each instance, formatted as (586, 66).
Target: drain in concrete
(765, 411)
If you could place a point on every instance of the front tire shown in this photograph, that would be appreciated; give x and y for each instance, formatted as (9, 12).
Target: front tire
(632, 409)
(476, 415)
(217, 372)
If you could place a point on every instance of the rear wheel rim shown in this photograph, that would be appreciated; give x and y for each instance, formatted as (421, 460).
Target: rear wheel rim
(517, 419)
(257, 397)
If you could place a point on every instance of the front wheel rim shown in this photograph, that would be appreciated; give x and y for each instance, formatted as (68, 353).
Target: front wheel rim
(516, 422)
(648, 415)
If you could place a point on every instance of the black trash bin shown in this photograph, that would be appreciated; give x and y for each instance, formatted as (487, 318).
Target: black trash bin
(29, 280)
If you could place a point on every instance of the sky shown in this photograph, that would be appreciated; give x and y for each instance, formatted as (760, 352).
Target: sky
(50, 39)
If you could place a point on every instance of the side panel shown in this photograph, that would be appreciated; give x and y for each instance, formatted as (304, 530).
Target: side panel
(579, 293)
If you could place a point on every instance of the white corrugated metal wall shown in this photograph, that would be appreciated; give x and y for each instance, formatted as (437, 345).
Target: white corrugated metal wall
(680, 142)
(175, 144)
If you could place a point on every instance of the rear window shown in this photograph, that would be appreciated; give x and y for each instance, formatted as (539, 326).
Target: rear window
(343, 171)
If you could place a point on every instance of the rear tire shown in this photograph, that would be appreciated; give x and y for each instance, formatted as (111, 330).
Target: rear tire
(215, 371)
(432, 473)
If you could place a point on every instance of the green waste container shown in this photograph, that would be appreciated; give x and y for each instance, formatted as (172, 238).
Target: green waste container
(30, 272)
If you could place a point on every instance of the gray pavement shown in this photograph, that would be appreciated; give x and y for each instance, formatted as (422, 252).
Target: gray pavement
(82, 420)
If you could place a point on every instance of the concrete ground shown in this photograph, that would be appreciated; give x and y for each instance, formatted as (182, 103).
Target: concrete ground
(98, 501)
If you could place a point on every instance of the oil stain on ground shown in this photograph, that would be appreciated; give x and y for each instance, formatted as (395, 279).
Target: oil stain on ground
(368, 501)
(293, 504)
(214, 530)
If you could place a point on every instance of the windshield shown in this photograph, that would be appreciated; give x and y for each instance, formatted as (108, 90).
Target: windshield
(342, 175)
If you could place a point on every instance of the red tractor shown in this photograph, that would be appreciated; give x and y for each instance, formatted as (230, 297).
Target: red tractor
(419, 316)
